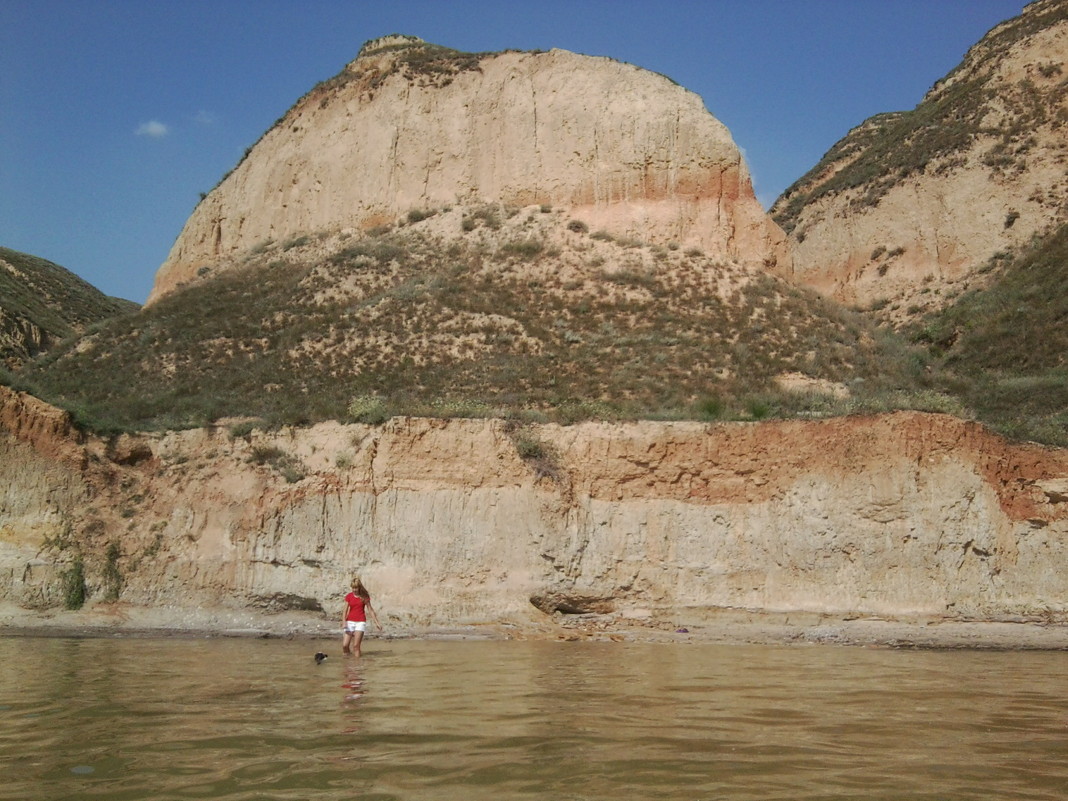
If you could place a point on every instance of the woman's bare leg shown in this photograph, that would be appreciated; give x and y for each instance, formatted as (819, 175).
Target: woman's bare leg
(357, 638)
(346, 642)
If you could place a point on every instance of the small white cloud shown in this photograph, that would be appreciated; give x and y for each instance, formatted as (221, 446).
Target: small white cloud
(153, 128)
(204, 118)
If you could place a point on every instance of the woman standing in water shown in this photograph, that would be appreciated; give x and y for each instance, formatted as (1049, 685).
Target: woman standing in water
(354, 621)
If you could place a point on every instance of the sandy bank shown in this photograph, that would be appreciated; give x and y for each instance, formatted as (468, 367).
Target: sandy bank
(723, 627)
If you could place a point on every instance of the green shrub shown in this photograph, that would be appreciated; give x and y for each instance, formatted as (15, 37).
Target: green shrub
(630, 276)
(759, 409)
(266, 454)
(74, 590)
(246, 427)
(577, 411)
(369, 409)
(529, 446)
(711, 408)
(460, 407)
(539, 455)
(290, 471)
(488, 216)
(113, 579)
(287, 465)
(524, 249)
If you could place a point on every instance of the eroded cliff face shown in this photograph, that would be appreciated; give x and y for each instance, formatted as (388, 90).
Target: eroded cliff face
(901, 515)
(625, 150)
(908, 209)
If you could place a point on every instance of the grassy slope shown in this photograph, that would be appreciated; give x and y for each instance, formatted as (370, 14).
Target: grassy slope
(51, 297)
(507, 324)
(1008, 344)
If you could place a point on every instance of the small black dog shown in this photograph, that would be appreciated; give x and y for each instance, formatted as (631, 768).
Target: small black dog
(319, 658)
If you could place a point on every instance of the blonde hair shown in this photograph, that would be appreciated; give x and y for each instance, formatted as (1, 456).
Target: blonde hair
(358, 588)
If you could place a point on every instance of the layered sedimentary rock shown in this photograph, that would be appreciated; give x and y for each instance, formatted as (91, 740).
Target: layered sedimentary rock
(901, 515)
(409, 126)
(906, 209)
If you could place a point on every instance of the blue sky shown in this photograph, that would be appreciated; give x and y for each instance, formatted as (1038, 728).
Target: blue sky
(116, 114)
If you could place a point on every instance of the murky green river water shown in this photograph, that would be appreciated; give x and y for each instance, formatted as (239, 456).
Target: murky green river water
(258, 719)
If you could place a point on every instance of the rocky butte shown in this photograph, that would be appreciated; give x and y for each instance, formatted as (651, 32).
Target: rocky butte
(409, 126)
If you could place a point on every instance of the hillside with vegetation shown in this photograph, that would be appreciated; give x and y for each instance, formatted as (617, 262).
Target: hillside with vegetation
(902, 214)
(485, 311)
(968, 106)
(42, 303)
(529, 312)
(1006, 346)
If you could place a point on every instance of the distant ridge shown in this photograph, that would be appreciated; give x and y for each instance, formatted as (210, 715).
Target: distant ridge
(42, 303)
(906, 211)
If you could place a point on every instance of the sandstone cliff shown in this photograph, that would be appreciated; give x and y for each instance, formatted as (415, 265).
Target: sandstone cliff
(409, 126)
(906, 515)
(907, 209)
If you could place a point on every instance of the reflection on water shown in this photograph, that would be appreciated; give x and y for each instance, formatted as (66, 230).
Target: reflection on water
(259, 719)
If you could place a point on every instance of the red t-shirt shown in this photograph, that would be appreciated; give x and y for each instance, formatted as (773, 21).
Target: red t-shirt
(356, 612)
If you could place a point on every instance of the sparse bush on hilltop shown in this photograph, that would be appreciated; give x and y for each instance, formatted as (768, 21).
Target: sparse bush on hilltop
(42, 303)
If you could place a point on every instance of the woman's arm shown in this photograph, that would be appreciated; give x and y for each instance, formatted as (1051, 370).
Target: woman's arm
(374, 615)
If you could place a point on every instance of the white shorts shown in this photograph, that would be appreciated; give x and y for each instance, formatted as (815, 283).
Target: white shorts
(355, 625)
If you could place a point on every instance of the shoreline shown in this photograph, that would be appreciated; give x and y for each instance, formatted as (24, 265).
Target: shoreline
(724, 627)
